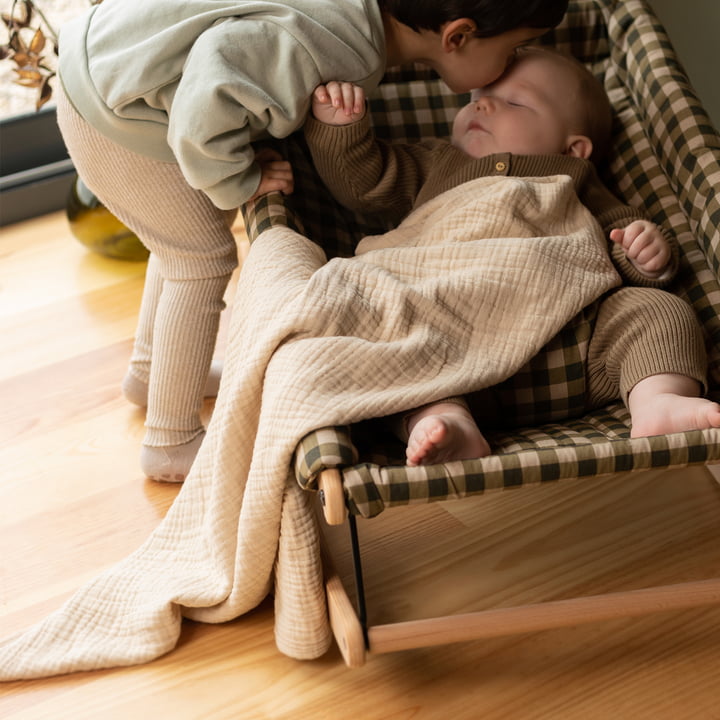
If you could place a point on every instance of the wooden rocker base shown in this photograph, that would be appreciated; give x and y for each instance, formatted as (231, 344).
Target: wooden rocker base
(355, 640)
(542, 616)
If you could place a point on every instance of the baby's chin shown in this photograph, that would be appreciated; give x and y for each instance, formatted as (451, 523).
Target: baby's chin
(473, 145)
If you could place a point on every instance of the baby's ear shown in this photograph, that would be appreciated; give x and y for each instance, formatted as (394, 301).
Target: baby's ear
(579, 146)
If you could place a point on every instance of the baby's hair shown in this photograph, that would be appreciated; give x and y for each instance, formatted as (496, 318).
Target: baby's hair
(594, 111)
(492, 17)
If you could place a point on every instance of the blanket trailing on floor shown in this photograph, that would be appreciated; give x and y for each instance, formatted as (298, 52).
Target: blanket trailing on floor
(459, 297)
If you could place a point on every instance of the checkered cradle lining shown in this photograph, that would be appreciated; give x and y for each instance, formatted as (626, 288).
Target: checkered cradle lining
(667, 159)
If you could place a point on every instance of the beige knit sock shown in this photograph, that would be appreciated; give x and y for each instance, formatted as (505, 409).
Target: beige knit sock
(171, 463)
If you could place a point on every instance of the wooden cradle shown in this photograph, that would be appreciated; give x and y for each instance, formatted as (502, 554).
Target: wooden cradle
(667, 159)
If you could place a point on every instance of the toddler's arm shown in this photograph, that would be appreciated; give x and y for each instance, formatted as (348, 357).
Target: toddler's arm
(275, 174)
(645, 246)
(338, 103)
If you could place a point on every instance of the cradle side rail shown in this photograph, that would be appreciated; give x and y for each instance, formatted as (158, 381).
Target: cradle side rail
(541, 616)
(592, 446)
(332, 496)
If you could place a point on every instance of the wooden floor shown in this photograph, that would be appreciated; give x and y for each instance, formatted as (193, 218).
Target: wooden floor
(72, 502)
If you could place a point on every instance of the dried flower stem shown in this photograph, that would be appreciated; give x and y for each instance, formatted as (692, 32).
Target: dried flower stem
(44, 19)
(31, 71)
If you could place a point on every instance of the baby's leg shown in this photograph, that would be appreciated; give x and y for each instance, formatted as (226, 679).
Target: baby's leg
(136, 391)
(668, 403)
(442, 432)
(647, 348)
(173, 350)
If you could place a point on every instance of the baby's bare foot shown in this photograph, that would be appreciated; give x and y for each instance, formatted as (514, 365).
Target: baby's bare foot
(444, 437)
(668, 413)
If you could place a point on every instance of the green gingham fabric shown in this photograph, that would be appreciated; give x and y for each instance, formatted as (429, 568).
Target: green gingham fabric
(667, 159)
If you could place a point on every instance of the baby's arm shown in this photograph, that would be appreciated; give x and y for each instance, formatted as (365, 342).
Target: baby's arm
(364, 173)
(645, 246)
(338, 103)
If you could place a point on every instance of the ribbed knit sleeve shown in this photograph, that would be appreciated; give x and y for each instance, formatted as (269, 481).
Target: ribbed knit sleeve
(367, 174)
(629, 273)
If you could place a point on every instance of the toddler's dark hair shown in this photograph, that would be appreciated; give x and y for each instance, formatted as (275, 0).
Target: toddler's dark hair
(492, 17)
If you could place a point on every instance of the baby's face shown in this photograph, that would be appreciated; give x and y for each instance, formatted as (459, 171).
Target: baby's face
(528, 111)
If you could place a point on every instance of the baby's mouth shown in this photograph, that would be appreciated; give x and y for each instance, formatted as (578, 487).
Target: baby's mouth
(476, 127)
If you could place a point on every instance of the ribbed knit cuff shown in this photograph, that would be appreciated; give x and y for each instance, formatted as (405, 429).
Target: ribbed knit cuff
(675, 346)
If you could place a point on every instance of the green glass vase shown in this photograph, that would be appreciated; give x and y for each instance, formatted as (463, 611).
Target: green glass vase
(98, 229)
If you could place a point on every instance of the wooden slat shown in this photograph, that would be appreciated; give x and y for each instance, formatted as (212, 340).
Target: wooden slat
(541, 616)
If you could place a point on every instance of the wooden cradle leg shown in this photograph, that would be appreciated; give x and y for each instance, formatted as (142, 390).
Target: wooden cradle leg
(332, 496)
(346, 627)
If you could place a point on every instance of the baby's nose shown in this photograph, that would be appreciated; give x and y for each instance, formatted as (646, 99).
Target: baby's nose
(485, 104)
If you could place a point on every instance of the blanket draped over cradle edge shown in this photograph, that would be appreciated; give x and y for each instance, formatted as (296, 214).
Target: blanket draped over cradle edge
(459, 297)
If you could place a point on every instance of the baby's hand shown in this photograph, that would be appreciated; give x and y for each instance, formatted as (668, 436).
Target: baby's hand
(338, 103)
(276, 174)
(645, 246)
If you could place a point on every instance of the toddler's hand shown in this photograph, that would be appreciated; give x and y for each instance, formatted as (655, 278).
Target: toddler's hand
(338, 103)
(645, 246)
(276, 174)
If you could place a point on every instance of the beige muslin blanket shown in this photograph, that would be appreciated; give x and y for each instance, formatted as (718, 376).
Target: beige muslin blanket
(459, 297)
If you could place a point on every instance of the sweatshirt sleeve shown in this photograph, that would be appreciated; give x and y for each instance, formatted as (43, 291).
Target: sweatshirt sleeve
(365, 173)
(228, 96)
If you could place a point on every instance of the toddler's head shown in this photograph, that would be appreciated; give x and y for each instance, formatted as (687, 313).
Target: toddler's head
(491, 17)
(476, 39)
(545, 103)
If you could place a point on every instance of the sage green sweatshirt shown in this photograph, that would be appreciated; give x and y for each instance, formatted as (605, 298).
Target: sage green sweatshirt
(197, 81)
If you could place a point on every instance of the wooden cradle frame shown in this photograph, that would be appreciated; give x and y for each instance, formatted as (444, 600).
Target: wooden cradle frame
(667, 159)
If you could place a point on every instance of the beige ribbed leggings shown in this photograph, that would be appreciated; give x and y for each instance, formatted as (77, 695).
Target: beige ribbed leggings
(193, 254)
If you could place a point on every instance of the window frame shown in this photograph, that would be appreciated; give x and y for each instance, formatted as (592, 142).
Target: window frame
(36, 173)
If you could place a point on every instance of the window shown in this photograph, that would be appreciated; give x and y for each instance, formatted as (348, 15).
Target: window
(35, 170)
